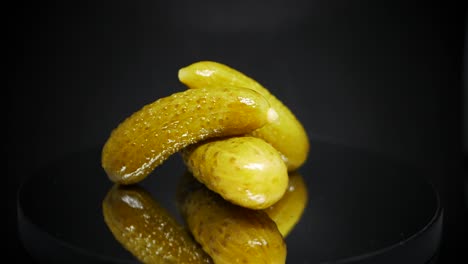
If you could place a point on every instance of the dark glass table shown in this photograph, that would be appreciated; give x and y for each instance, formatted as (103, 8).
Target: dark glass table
(363, 207)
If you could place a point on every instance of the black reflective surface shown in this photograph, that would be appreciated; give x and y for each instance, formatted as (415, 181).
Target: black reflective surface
(362, 208)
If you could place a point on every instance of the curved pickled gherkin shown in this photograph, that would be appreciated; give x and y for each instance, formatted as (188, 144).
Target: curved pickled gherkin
(286, 133)
(149, 136)
(244, 170)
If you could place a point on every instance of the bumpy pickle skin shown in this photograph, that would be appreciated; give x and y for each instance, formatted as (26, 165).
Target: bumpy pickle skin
(150, 135)
(227, 232)
(287, 212)
(147, 230)
(286, 134)
(244, 170)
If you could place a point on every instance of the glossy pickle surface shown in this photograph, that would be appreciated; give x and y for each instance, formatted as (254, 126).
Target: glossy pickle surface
(147, 230)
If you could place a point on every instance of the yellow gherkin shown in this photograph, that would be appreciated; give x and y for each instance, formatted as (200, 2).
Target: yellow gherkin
(246, 171)
(149, 136)
(286, 133)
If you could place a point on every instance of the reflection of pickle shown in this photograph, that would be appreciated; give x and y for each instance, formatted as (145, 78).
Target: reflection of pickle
(227, 232)
(287, 211)
(147, 230)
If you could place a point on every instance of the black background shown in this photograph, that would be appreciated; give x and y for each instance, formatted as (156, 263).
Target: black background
(384, 76)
